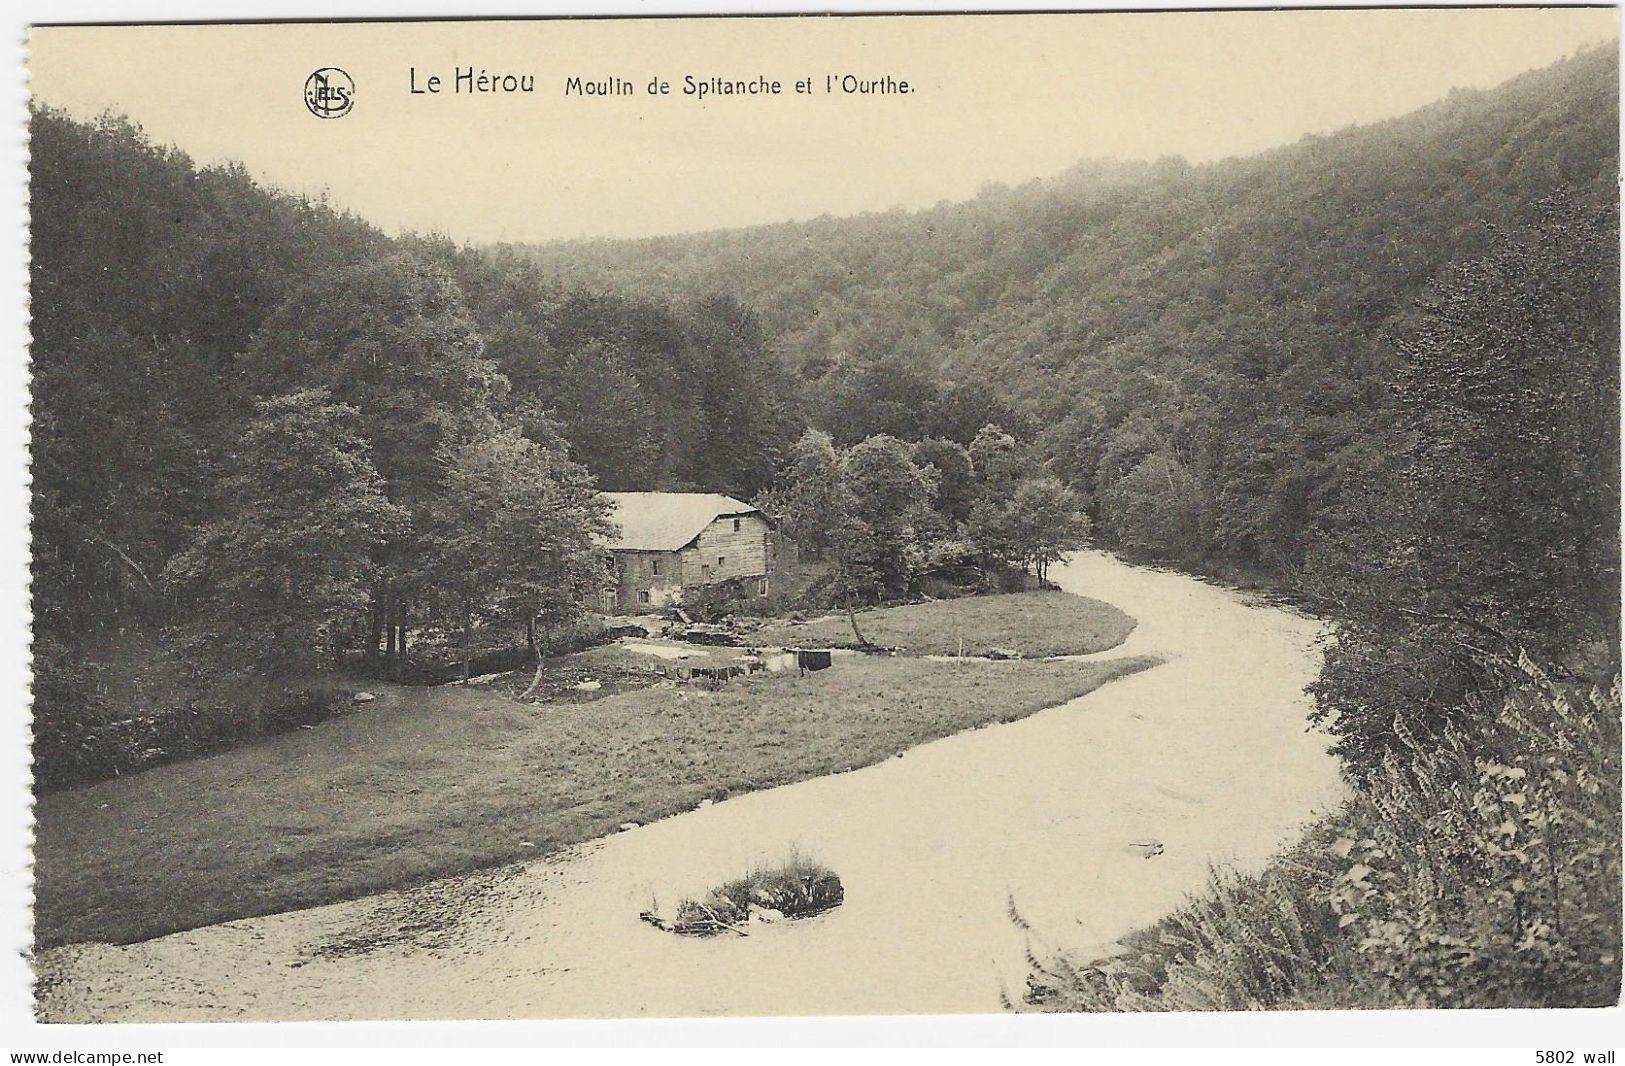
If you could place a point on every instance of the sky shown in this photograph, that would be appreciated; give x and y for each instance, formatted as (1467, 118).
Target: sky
(993, 98)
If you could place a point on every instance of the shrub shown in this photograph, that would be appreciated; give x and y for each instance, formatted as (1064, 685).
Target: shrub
(143, 705)
(76, 736)
(1485, 872)
(714, 602)
(1248, 942)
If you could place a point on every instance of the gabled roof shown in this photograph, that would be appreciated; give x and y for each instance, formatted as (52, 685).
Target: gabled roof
(667, 521)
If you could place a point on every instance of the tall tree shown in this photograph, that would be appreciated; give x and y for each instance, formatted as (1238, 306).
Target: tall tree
(274, 581)
(956, 484)
(511, 537)
(394, 339)
(1035, 526)
(807, 492)
(998, 460)
(1496, 529)
(745, 424)
(891, 499)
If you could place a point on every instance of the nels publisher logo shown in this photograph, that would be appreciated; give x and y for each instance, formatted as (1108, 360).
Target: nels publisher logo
(329, 93)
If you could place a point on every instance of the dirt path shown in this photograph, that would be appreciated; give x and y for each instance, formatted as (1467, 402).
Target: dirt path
(1206, 755)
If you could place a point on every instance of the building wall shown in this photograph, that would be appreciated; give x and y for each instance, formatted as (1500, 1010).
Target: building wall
(659, 574)
(719, 553)
(722, 552)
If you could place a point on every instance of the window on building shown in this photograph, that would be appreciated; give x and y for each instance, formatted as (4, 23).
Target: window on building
(761, 587)
(705, 570)
(722, 560)
(736, 525)
(643, 597)
(656, 567)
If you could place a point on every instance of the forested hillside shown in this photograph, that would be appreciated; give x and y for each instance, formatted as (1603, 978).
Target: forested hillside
(266, 438)
(1380, 367)
(274, 448)
(1205, 349)
(1354, 363)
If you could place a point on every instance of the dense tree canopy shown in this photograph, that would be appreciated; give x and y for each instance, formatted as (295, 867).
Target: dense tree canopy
(1491, 529)
(511, 538)
(274, 580)
(1379, 366)
(1201, 350)
(265, 425)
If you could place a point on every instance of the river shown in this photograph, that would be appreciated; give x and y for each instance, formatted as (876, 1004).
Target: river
(1206, 755)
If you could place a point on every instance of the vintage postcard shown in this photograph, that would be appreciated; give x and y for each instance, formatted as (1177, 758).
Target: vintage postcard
(574, 518)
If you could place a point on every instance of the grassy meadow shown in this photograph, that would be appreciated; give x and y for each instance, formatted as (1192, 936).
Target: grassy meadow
(1035, 624)
(430, 782)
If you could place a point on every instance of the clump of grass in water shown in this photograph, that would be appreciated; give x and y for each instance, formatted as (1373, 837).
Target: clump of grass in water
(799, 887)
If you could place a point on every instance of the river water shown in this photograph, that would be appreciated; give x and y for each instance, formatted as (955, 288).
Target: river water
(1057, 815)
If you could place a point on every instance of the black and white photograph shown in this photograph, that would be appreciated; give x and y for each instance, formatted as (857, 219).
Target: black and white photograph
(1005, 514)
